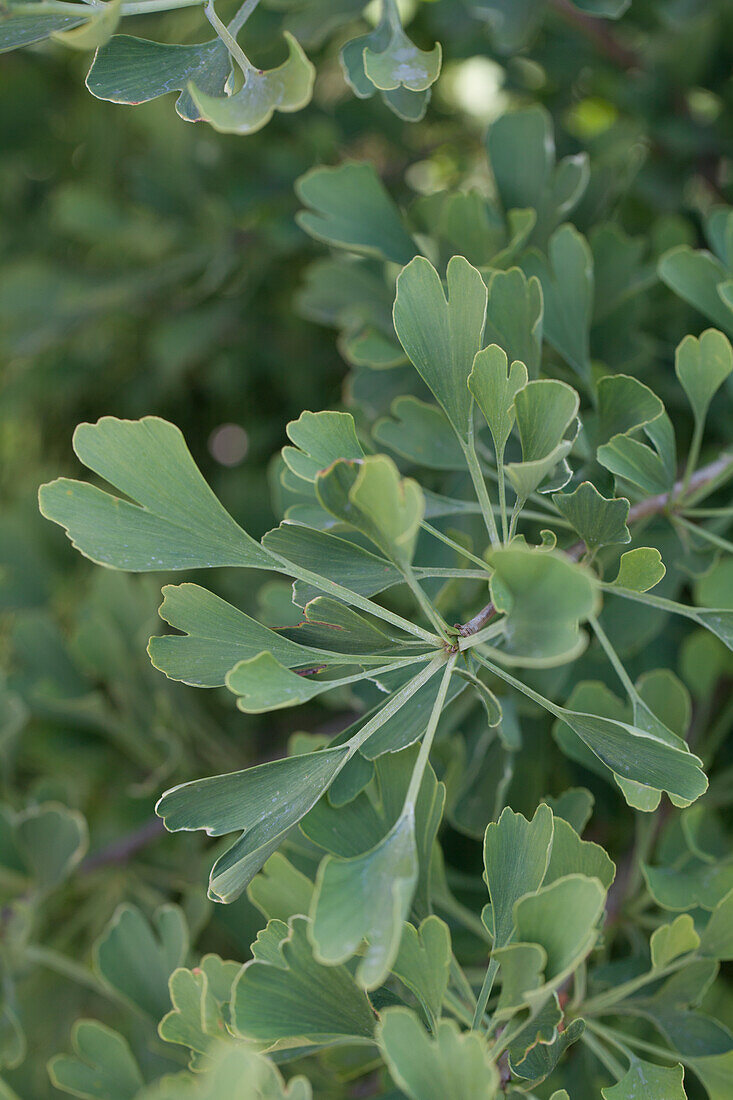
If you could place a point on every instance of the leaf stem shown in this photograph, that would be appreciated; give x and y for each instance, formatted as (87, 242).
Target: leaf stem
(613, 657)
(433, 616)
(393, 704)
(228, 39)
(482, 494)
(427, 742)
(483, 997)
(603, 1003)
(604, 1056)
(693, 455)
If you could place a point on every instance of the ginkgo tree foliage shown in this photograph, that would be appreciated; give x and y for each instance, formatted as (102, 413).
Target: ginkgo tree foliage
(503, 572)
(555, 478)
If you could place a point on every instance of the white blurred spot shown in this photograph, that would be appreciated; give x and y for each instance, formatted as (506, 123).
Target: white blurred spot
(229, 444)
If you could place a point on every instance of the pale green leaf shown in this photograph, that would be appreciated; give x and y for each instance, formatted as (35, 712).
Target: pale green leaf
(423, 963)
(702, 365)
(264, 802)
(640, 569)
(452, 1066)
(137, 957)
(669, 941)
(102, 1067)
(647, 1081)
(514, 317)
(350, 208)
(442, 335)
(273, 1003)
(176, 521)
(598, 520)
(516, 857)
(494, 385)
(286, 88)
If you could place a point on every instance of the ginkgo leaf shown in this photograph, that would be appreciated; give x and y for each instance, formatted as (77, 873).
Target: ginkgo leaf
(407, 104)
(102, 1067)
(514, 317)
(175, 522)
(640, 569)
(452, 1066)
(566, 277)
(349, 207)
(624, 404)
(702, 365)
(217, 637)
(598, 520)
(320, 439)
(423, 963)
(399, 63)
(571, 855)
(280, 891)
(264, 802)
(370, 495)
(136, 957)
(649, 1080)
(669, 941)
(561, 918)
(516, 858)
(494, 385)
(521, 149)
(135, 70)
(286, 88)
(96, 31)
(546, 597)
(366, 897)
(440, 334)
(421, 433)
(271, 1002)
(544, 411)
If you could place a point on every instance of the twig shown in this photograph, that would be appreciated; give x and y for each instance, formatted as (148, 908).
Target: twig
(598, 33)
(120, 851)
(652, 506)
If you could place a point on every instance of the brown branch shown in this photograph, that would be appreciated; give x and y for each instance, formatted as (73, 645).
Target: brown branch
(597, 32)
(652, 506)
(120, 851)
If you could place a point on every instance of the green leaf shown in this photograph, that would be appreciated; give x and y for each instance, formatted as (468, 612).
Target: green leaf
(371, 496)
(702, 366)
(634, 754)
(542, 1058)
(337, 627)
(545, 597)
(217, 637)
(264, 802)
(241, 1073)
(366, 897)
(514, 317)
(262, 684)
(624, 404)
(698, 278)
(280, 891)
(637, 463)
(571, 855)
(349, 207)
(648, 1080)
(440, 334)
(137, 957)
(102, 1067)
(521, 149)
(51, 840)
(566, 277)
(598, 520)
(561, 918)
(273, 1002)
(495, 385)
(717, 936)
(407, 104)
(421, 433)
(200, 1011)
(95, 32)
(516, 857)
(640, 569)
(320, 439)
(176, 521)
(669, 941)
(399, 63)
(135, 70)
(545, 410)
(423, 963)
(286, 88)
(451, 1066)
(341, 561)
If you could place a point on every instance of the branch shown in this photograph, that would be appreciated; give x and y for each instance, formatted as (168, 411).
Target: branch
(120, 851)
(652, 506)
(596, 32)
